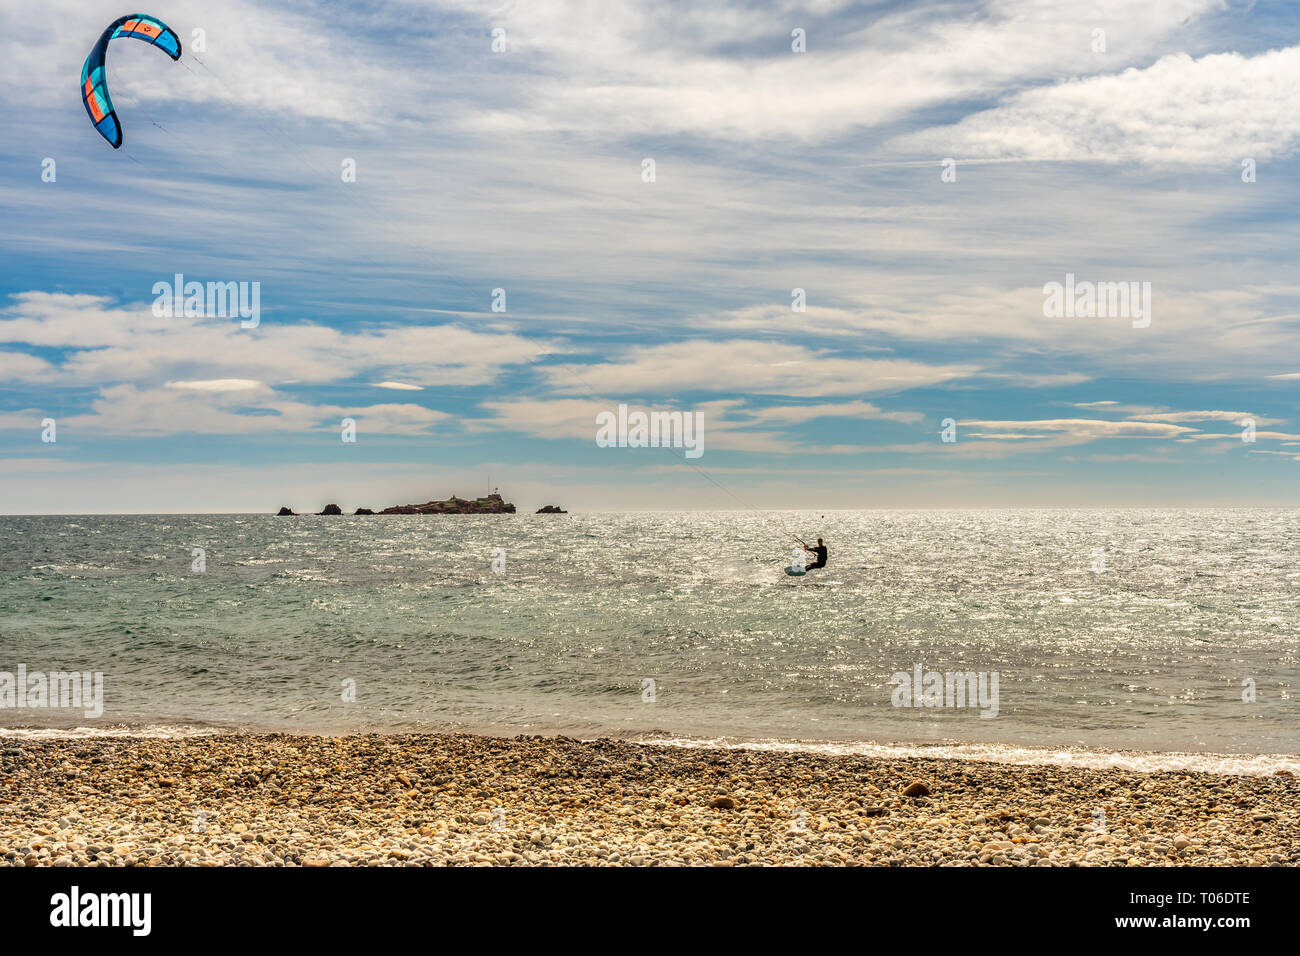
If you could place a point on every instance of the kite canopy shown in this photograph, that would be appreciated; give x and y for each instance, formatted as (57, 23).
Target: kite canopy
(94, 85)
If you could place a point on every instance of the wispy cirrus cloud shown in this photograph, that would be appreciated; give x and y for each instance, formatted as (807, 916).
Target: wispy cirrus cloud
(106, 342)
(1070, 431)
(1211, 111)
(144, 412)
(1161, 414)
(748, 367)
(729, 71)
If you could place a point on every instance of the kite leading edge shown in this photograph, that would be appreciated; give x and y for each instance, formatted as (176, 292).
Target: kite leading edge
(94, 85)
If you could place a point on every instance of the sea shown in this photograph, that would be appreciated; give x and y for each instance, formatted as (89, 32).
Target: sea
(1145, 639)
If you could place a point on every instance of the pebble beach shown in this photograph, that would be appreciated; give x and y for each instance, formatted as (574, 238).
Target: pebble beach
(464, 800)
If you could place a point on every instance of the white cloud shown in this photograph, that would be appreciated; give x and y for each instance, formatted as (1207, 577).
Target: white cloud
(728, 424)
(218, 385)
(1213, 111)
(1236, 436)
(259, 57)
(1059, 432)
(748, 368)
(129, 410)
(128, 343)
(576, 419)
(1208, 415)
(798, 414)
(637, 69)
(21, 367)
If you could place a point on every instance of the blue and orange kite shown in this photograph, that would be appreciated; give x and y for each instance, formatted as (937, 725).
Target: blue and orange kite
(94, 87)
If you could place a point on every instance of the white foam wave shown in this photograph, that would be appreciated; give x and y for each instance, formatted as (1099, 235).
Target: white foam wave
(1144, 762)
(162, 731)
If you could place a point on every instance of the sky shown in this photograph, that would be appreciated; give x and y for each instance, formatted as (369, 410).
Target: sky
(921, 171)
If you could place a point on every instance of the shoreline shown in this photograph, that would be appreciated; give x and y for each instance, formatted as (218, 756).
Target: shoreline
(1099, 758)
(464, 799)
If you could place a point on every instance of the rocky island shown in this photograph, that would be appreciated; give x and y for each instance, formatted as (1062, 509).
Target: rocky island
(493, 504)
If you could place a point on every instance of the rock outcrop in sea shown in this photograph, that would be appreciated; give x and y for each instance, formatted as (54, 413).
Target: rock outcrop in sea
(493, 504)
(551, 510)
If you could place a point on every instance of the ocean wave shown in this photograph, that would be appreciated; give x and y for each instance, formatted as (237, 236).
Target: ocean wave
(158, 731)
(1141, 761)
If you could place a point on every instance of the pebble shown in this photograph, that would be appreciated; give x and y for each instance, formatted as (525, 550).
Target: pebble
(456, 799)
